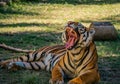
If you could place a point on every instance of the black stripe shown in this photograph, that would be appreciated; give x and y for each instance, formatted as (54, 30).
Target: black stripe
(83, 32)
(76, 30)
(89, 62)
(38, 65)
(31, 65)
(91, 58)
(24, 65)
(42, 62)
(21, 59)
(61, 68)
(52, 49)
(89, 68)
(35, 56)
(42, 55)
(28, 57)
(65, 65)
(86, 50)
(78, 46)
(45, 67)
(76, 53)
(87, 36)
(50, 65)
(76, 60)
(93, 67)
(69, 61)
(60, 51)
(55, 58)
(84, 56)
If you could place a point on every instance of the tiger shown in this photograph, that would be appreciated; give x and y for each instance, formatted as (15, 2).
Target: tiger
(76, 59)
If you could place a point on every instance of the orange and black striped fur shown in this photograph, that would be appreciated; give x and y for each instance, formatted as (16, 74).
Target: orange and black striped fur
(43, 58)
(76, 60)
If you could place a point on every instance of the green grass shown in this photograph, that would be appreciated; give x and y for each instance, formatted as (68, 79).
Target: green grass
(33, 25)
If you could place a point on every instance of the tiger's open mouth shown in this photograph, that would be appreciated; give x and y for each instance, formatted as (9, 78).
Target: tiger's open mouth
(71, 37)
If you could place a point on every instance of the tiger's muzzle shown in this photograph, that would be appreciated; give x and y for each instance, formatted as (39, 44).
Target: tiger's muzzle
(71, 37)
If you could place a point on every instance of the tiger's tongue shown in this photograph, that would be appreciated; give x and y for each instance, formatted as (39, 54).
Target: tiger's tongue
(70, 42)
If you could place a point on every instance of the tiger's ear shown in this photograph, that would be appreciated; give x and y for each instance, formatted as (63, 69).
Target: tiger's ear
(92, 31)
(68, 23)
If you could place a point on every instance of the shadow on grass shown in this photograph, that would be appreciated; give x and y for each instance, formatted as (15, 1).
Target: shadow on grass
(7, 11)
(115, 19)
(76, 2)
(109, 68)
(30, 40)
(23, 24)
(12, 10)
(109, 60)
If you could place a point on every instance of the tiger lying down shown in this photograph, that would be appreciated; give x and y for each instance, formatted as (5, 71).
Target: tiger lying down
(77, 59)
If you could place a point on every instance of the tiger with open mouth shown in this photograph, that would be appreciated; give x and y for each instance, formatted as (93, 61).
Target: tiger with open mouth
(77, 59)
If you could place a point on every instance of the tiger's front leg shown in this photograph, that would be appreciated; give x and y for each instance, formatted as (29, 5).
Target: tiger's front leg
(57, 76)
(90, 77)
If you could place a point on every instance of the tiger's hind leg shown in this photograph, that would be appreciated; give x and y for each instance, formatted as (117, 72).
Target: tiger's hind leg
(26, 65)
(30, 57)
(27, 58)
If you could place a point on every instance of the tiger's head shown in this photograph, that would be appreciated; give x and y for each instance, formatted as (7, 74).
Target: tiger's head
(76, 34)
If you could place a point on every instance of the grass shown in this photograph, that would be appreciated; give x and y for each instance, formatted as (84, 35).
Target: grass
(33, 25)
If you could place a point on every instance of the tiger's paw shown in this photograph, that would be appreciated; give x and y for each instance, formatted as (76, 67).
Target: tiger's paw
(75, 81)
(12, 66)
(15, 65)
(56, 81)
